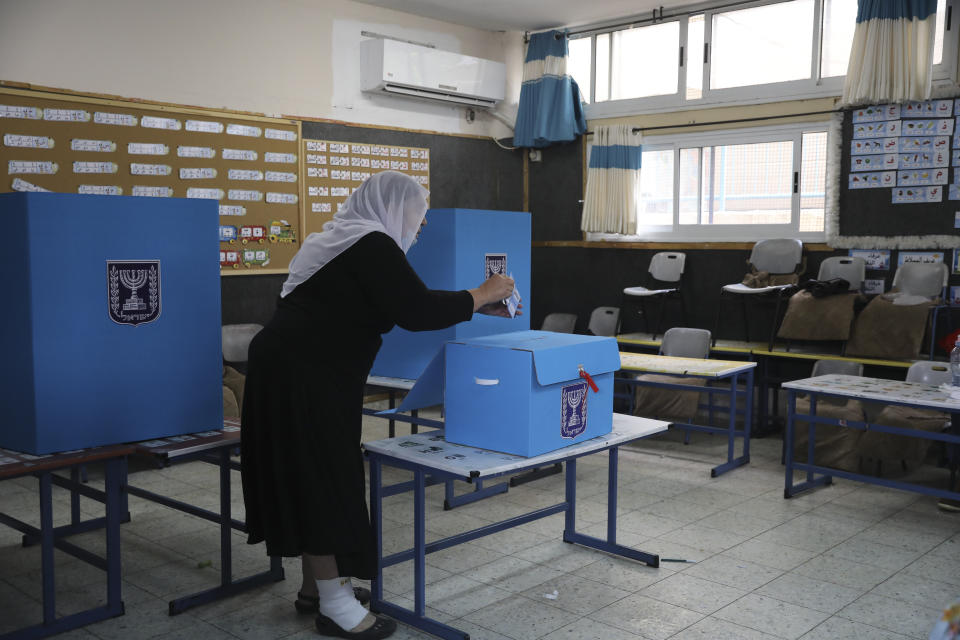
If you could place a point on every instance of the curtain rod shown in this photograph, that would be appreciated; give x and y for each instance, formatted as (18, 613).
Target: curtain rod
(704, 124)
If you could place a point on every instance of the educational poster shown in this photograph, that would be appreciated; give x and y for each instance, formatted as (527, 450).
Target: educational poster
(249, 165)
(908, 148)
(955, 270)
(921, 257)
(955, 296)
(875, 259)
(334, 170)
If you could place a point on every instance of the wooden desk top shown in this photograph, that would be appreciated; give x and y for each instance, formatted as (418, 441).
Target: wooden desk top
(16, 463)
(704, 367)
(896, 391)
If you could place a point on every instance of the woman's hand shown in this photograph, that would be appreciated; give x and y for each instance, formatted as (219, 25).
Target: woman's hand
(496, 289)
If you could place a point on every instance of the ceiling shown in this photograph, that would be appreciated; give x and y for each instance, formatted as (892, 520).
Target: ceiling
(526, 15)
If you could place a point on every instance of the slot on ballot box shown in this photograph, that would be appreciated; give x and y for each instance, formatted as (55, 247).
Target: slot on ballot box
(524, 392)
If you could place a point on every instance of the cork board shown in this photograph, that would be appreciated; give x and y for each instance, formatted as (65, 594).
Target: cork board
(333, 170)
(250, 164)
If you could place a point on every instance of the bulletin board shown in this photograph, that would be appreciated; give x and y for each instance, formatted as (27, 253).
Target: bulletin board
(249, 164)
(900, 170)
(335, 169)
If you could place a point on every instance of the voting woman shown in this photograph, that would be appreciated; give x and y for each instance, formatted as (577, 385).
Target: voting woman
(302, 468)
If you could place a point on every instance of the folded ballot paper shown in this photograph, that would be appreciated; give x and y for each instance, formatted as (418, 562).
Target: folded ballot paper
(513, 301)
(525, 392)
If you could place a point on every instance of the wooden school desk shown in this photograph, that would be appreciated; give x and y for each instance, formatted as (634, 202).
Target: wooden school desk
(896, 392)
(427, 455)
(14, 465)
(216, 448)
(713, 370)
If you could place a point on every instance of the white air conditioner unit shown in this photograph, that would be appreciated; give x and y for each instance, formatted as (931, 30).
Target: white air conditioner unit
(400, 68)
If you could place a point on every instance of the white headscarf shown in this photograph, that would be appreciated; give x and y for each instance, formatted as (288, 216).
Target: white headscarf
(389, 201)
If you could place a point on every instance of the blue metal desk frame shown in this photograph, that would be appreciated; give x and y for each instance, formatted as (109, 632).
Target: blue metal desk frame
(214, 449)
(825, 478)
(730, 430)
(50, 537)
(450, 500)
(425, 474)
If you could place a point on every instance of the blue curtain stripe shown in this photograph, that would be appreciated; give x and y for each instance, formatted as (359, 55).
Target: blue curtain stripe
(895, 9)
(615, 156)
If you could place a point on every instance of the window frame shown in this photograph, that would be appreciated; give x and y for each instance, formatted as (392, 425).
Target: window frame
(813, 87)
(675, 232)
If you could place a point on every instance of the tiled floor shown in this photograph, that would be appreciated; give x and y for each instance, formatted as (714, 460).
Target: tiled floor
(846, 561)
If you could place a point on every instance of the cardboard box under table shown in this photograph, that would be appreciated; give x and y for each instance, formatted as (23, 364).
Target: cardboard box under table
(525, 393)
(459, 249)
(112, 330)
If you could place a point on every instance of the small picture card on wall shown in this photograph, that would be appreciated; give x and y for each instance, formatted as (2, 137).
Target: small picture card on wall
(921, 257)
(873, 287)
(955, 296)
(876, 259)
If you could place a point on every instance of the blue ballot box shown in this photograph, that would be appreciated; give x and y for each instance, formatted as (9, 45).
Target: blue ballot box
(111, 331)
(521, 392)
(458, 249)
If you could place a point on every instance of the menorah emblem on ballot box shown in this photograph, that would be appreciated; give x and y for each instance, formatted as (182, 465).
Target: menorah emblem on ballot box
(125, 281)
(573, 410)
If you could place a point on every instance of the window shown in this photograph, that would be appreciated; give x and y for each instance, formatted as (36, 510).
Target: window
(759, 52)
(733, 185)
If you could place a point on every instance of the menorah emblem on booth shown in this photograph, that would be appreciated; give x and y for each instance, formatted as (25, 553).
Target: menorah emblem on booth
(133, 291)
(133, 279)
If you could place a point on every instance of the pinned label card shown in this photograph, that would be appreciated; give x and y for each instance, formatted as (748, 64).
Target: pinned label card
(279, 134)
(30, 142)
(119, 119)
(153, 122)
(104, 146)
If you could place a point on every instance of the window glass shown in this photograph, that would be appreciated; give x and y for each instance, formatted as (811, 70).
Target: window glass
(751, 183)
(603, 67)
(770, 43)
(578, 64)
(655, 206)
(645, 61)
(813, 177)
(694, 57)
(938, 38)
(839, 22)
(689, 205)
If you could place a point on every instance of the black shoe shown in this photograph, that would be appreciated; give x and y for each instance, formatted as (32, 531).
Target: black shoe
(382, 628)
(311, 604)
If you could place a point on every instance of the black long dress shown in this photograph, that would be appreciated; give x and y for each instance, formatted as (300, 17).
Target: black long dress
(302, 468)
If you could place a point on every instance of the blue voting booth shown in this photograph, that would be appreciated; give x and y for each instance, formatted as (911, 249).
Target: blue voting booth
(458, 249)
(112, 325)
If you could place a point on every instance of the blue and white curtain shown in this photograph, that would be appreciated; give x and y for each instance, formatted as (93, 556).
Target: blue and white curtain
(891, 59)
(550, 108)
(613, 181)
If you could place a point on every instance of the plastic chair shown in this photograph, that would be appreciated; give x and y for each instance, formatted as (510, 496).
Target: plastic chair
(604, 321)
(667, 267)
(559, 322)
(926, 372)
(684, 342)
(778, 256)
(236, 340)
(915, 281)
(839, 367)
(680, 342)
(851, 269)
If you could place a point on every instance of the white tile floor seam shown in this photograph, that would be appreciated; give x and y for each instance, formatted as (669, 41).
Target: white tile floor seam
(845, 561)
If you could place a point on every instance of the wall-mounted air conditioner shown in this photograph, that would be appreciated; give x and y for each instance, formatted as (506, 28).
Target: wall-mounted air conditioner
(404, 69)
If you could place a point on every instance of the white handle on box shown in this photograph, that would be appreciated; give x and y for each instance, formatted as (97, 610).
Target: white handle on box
(487, 382)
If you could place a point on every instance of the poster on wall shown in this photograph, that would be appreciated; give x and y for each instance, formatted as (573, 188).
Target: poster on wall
(250, 165)
(875, 259)
(334, 170)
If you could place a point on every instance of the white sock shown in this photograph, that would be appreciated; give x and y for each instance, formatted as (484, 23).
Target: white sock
(338, 602)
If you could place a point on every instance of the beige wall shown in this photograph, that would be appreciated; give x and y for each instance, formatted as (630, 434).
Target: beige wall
(277, 57)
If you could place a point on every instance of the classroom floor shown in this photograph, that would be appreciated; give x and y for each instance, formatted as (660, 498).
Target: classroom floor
(846, 561)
